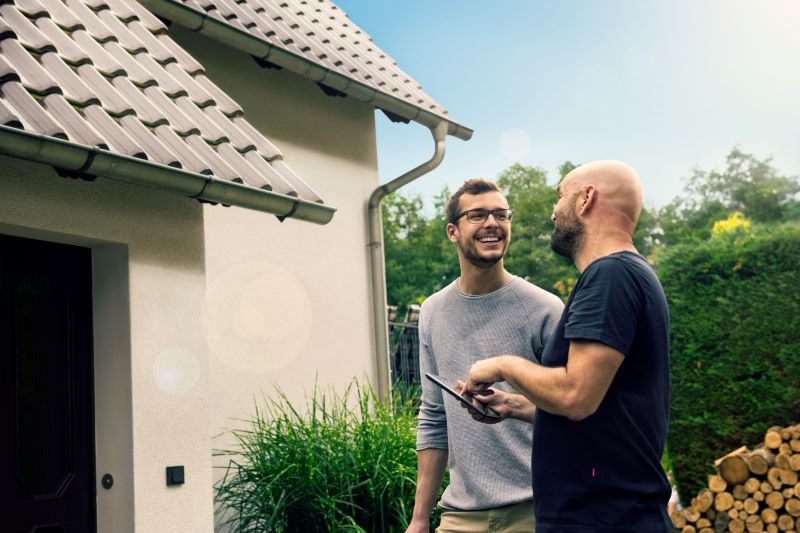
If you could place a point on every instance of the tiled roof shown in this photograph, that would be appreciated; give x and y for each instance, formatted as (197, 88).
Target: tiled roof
(105, 73)
(330, 49)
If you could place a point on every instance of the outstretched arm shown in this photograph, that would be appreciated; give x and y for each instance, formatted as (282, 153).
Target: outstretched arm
(574, 391)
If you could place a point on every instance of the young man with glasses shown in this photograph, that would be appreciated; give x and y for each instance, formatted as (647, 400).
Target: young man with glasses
(487, 311)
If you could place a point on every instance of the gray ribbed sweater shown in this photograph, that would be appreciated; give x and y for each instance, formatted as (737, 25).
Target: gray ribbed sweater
(490, 465)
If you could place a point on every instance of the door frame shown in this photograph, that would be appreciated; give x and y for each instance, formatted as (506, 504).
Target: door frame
(112, 374)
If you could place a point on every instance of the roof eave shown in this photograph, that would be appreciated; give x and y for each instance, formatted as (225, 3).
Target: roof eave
(194, 20)
(98, 162)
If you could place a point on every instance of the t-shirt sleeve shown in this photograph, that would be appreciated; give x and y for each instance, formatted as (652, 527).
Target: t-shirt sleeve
(606, 307)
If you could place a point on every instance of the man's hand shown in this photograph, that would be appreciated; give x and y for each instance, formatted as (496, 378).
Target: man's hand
(490, 398)
(483, 374)
(418, 526)
(504, 404)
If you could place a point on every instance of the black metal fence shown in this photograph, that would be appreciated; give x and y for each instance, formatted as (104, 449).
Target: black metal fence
(404, 353)
(404, 348)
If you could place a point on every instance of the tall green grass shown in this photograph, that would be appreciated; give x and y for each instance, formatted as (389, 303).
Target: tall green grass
(344, 463)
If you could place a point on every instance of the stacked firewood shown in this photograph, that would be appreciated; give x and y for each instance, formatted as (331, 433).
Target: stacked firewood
(752, 491)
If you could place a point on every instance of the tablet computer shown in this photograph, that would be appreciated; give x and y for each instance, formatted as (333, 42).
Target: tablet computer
(478, 406)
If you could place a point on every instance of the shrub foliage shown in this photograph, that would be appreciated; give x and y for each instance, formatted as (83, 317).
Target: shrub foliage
(344, 463)
(735, 345)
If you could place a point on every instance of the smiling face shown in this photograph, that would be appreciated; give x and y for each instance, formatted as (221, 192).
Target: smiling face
(483, 244)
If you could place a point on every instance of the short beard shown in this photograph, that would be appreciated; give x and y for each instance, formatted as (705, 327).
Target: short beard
(567, 239)
(478, 261)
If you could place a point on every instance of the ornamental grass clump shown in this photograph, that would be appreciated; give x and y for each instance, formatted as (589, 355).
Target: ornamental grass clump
(345, 463)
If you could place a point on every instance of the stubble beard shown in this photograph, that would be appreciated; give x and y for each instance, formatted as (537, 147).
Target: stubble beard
(479, 261)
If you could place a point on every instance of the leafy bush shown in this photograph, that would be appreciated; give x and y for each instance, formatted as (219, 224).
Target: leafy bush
(735, 344)
(345, 463)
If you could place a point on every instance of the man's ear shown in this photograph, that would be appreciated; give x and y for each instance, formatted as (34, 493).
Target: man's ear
(452, 232)
(586, 199)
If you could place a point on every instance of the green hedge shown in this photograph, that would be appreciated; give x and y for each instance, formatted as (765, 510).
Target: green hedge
(735, 308)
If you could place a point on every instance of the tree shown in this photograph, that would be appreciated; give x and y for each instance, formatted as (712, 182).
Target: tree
(748, 185)
(419, 258)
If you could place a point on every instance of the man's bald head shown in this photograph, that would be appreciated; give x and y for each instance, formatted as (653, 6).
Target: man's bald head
(616, 189)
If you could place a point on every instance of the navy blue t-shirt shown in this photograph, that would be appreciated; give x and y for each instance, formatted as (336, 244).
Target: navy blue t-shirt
(603, 473)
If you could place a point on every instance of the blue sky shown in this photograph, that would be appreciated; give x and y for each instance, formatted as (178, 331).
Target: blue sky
(665, 86)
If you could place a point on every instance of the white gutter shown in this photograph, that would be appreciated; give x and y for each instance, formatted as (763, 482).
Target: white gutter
(376, 254)
(98, 162)
(198, 21)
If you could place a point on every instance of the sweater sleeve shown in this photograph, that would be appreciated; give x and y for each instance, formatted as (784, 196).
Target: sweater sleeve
(432, 422)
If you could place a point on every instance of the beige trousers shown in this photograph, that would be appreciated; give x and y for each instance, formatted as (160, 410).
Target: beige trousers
(517, 518)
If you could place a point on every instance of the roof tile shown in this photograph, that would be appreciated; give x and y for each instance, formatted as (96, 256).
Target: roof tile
(67, 48)
(148, 113)
(237, 137)
(33, 75)
(30, 112)
(157, 50)
(93, 25)
(31, 8)
(188, 157)
(7, 71)
(297, 182)
(197, 93)
(277, 182)
(264, 145)
(179, 121)
(167, 83)
(250, 176)
(123, 34)
(24, 29)
(112, 100)
(121, 8)
(73, 122)
(74, 88)
(218, 165)
(8, 116)
(62, 15)
(133, 69)
(185, 60)
(149, 20)
(103, 60)
(233, 10)
(111, 131)
(225, 102)
(210, 131)
(156, 150)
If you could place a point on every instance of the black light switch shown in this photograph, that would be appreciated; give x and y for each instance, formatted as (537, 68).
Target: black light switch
(175, 475)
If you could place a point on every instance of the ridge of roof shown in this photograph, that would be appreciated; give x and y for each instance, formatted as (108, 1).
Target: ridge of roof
(315, 39)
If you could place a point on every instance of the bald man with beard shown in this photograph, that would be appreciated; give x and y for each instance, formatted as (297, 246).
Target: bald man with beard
(602, 391)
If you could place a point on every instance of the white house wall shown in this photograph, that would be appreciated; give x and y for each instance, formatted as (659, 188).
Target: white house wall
(150, 350)
(289, 303)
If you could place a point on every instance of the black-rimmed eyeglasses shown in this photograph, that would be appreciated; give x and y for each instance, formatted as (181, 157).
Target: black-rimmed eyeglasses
(479, 216)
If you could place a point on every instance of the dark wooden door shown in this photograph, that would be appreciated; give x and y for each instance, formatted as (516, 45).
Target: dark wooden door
(46, 411)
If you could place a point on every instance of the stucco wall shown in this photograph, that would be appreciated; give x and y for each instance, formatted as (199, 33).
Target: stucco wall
(151, 357)
(289, 303)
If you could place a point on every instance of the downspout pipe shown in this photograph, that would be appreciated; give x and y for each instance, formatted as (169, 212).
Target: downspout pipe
(376, 253)
(95, 161)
